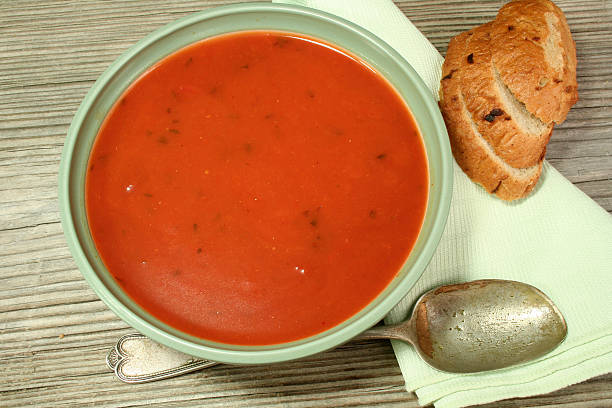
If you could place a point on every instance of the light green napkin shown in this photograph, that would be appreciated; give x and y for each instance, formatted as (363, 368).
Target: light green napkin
(557, 239)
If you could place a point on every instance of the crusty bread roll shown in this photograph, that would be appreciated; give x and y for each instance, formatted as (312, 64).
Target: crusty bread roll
(535, 55)
(500, 96)
(515, 136)
(472, 152)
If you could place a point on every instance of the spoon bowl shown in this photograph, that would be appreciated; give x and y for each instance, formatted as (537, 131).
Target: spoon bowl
(480, 326)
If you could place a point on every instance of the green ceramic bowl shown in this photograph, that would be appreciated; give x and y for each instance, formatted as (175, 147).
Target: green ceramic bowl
(240, 17)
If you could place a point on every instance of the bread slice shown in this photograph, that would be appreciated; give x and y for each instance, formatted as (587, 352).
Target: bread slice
(516, 136)
(535, 55)
(471, 151)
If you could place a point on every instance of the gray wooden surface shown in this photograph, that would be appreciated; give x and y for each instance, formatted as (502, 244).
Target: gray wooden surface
(54, 332)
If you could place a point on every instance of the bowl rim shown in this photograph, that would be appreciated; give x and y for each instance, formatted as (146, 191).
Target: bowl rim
(291, 351)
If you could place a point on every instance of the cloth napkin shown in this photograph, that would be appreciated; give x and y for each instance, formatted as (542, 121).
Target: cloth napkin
(557, 240)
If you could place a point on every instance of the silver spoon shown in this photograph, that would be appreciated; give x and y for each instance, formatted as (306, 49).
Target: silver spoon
(464, 328)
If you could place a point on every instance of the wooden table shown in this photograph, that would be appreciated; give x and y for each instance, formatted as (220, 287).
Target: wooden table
(54, 332)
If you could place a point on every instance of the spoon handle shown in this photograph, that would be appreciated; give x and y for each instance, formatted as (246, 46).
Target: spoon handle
(402, 331)
(138, 359)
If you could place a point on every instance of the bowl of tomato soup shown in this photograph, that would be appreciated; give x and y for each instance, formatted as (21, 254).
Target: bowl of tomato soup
(255, 183)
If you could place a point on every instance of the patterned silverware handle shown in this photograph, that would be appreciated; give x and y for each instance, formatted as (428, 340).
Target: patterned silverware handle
(138, 359)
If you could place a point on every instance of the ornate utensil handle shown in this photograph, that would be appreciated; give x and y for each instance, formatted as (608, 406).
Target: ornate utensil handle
(138, 359)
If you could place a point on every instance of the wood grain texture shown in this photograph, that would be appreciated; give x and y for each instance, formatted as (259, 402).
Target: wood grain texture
(54, 332)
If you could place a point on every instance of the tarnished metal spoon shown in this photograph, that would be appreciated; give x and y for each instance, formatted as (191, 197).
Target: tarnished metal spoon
(464, 328)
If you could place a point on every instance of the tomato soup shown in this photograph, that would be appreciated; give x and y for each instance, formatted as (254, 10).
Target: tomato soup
(256, 188)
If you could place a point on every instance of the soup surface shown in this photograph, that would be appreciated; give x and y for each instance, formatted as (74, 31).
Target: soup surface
(256, 188)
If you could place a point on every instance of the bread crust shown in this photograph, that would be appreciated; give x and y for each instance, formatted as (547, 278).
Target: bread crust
(515, 135)
(473, 154)
(533, 50)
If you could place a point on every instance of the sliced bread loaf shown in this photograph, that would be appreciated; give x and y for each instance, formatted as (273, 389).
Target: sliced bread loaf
(471, 151)
(535, 55)
(515, 135)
